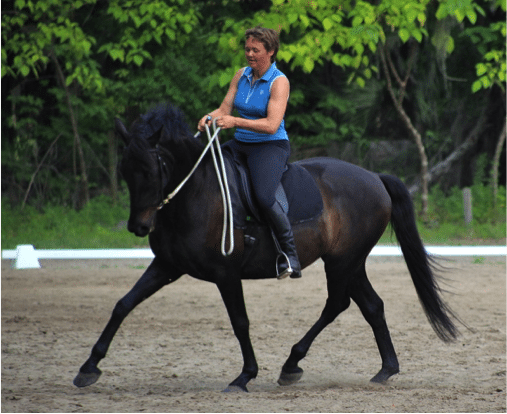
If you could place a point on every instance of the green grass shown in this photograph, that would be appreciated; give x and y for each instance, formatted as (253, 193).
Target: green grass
(102, 224)
(455, 234)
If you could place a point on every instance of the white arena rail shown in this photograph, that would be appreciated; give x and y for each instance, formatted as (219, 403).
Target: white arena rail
(27, 257)
(147, 253)
(85, 254)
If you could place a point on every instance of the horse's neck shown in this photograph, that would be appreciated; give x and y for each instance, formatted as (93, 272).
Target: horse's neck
(185, 154)
(202, 185)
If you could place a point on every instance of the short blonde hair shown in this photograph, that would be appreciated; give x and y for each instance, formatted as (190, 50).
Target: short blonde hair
(268, 37)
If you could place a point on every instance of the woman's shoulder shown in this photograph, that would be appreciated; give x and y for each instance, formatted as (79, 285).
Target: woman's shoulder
(239, 73)
(243, 70)
(237, 76)
(279, 73)
(276, 74)
(278, 77)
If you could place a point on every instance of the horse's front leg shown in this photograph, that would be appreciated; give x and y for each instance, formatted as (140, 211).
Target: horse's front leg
(232, 294)
(155, 277)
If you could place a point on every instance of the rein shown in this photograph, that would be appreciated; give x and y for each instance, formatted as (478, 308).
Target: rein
(222, 180)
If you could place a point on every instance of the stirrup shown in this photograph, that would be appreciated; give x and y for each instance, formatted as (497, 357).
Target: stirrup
(287, 272)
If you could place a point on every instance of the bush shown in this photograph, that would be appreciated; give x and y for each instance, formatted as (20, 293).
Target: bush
(446, 222)
(100, 224)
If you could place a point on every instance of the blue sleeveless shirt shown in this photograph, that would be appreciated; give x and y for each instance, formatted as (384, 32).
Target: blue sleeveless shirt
(251, 102)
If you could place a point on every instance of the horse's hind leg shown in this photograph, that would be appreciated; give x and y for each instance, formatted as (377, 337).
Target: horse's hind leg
(337, 301)
(150, 282)
(372, 308)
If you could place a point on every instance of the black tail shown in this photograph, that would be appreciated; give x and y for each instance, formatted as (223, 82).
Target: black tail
(418, 261)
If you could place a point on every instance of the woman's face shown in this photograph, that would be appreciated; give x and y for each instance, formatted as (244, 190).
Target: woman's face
(256, 54)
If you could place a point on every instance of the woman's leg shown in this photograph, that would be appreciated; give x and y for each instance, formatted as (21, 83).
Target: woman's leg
(267, 163)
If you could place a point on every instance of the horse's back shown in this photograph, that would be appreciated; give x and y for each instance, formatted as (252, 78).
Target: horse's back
(344, 178)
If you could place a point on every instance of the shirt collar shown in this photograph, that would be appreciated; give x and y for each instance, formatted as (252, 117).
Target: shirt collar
(249, 73)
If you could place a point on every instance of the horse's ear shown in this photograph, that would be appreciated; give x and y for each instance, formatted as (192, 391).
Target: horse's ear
(155, 138)
(121, 130)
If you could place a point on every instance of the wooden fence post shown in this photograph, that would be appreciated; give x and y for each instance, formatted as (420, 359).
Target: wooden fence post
(467, 205)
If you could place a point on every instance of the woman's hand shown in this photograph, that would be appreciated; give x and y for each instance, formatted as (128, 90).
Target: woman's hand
(222, 121)
(206, 119)
(226, 122)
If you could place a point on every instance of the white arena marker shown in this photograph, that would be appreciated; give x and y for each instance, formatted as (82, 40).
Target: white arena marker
(26, 258)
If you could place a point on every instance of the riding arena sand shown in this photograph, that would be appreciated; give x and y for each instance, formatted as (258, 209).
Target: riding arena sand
(176, 351)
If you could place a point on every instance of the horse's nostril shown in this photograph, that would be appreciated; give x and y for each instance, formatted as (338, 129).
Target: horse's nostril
(143, 231)
(140, 230)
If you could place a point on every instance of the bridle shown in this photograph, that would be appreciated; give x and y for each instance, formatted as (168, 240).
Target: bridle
(162, 167)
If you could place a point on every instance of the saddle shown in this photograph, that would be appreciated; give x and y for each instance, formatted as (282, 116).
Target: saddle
(298, 193)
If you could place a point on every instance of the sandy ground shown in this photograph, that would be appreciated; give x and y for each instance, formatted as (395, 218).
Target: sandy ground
(176, 351)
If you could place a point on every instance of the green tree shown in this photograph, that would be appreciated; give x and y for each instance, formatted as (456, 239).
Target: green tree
(490, 41)
(39, 32)
(118, 58)
(86, 49)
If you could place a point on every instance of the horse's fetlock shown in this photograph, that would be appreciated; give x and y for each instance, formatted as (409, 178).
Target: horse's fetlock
(298, 353)
(98, 353)
(90, 366)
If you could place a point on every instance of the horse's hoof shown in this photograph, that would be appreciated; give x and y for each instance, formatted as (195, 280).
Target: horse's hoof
(235, 388)
(84, 379)
(289, 378)
(383, 375)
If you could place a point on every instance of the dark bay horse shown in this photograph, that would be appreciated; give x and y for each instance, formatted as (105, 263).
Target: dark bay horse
(185, 237)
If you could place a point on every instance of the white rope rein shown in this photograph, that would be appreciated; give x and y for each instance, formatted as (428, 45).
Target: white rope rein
(224, 187)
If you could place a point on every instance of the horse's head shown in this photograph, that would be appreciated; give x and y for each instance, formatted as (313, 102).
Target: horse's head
(149, 162)
(145, 169)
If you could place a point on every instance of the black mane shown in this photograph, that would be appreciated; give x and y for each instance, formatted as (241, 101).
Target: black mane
(162, 115)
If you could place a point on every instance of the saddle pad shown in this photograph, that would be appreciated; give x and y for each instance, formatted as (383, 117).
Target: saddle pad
(303, 195)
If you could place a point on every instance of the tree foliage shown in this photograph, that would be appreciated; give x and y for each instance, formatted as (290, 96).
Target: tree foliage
(117, 58)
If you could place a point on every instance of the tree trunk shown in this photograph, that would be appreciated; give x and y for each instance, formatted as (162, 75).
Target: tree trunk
(398, 103)
(113, 161)
(444, 166)
(496, 164)
(85, 196)
(32, 179)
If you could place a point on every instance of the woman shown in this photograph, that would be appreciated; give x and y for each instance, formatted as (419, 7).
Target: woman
(260, 93)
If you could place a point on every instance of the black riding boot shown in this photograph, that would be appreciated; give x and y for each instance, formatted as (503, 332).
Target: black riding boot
(287, 263)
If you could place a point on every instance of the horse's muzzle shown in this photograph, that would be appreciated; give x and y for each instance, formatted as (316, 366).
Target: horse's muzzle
(143, 223)
(139, 231)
